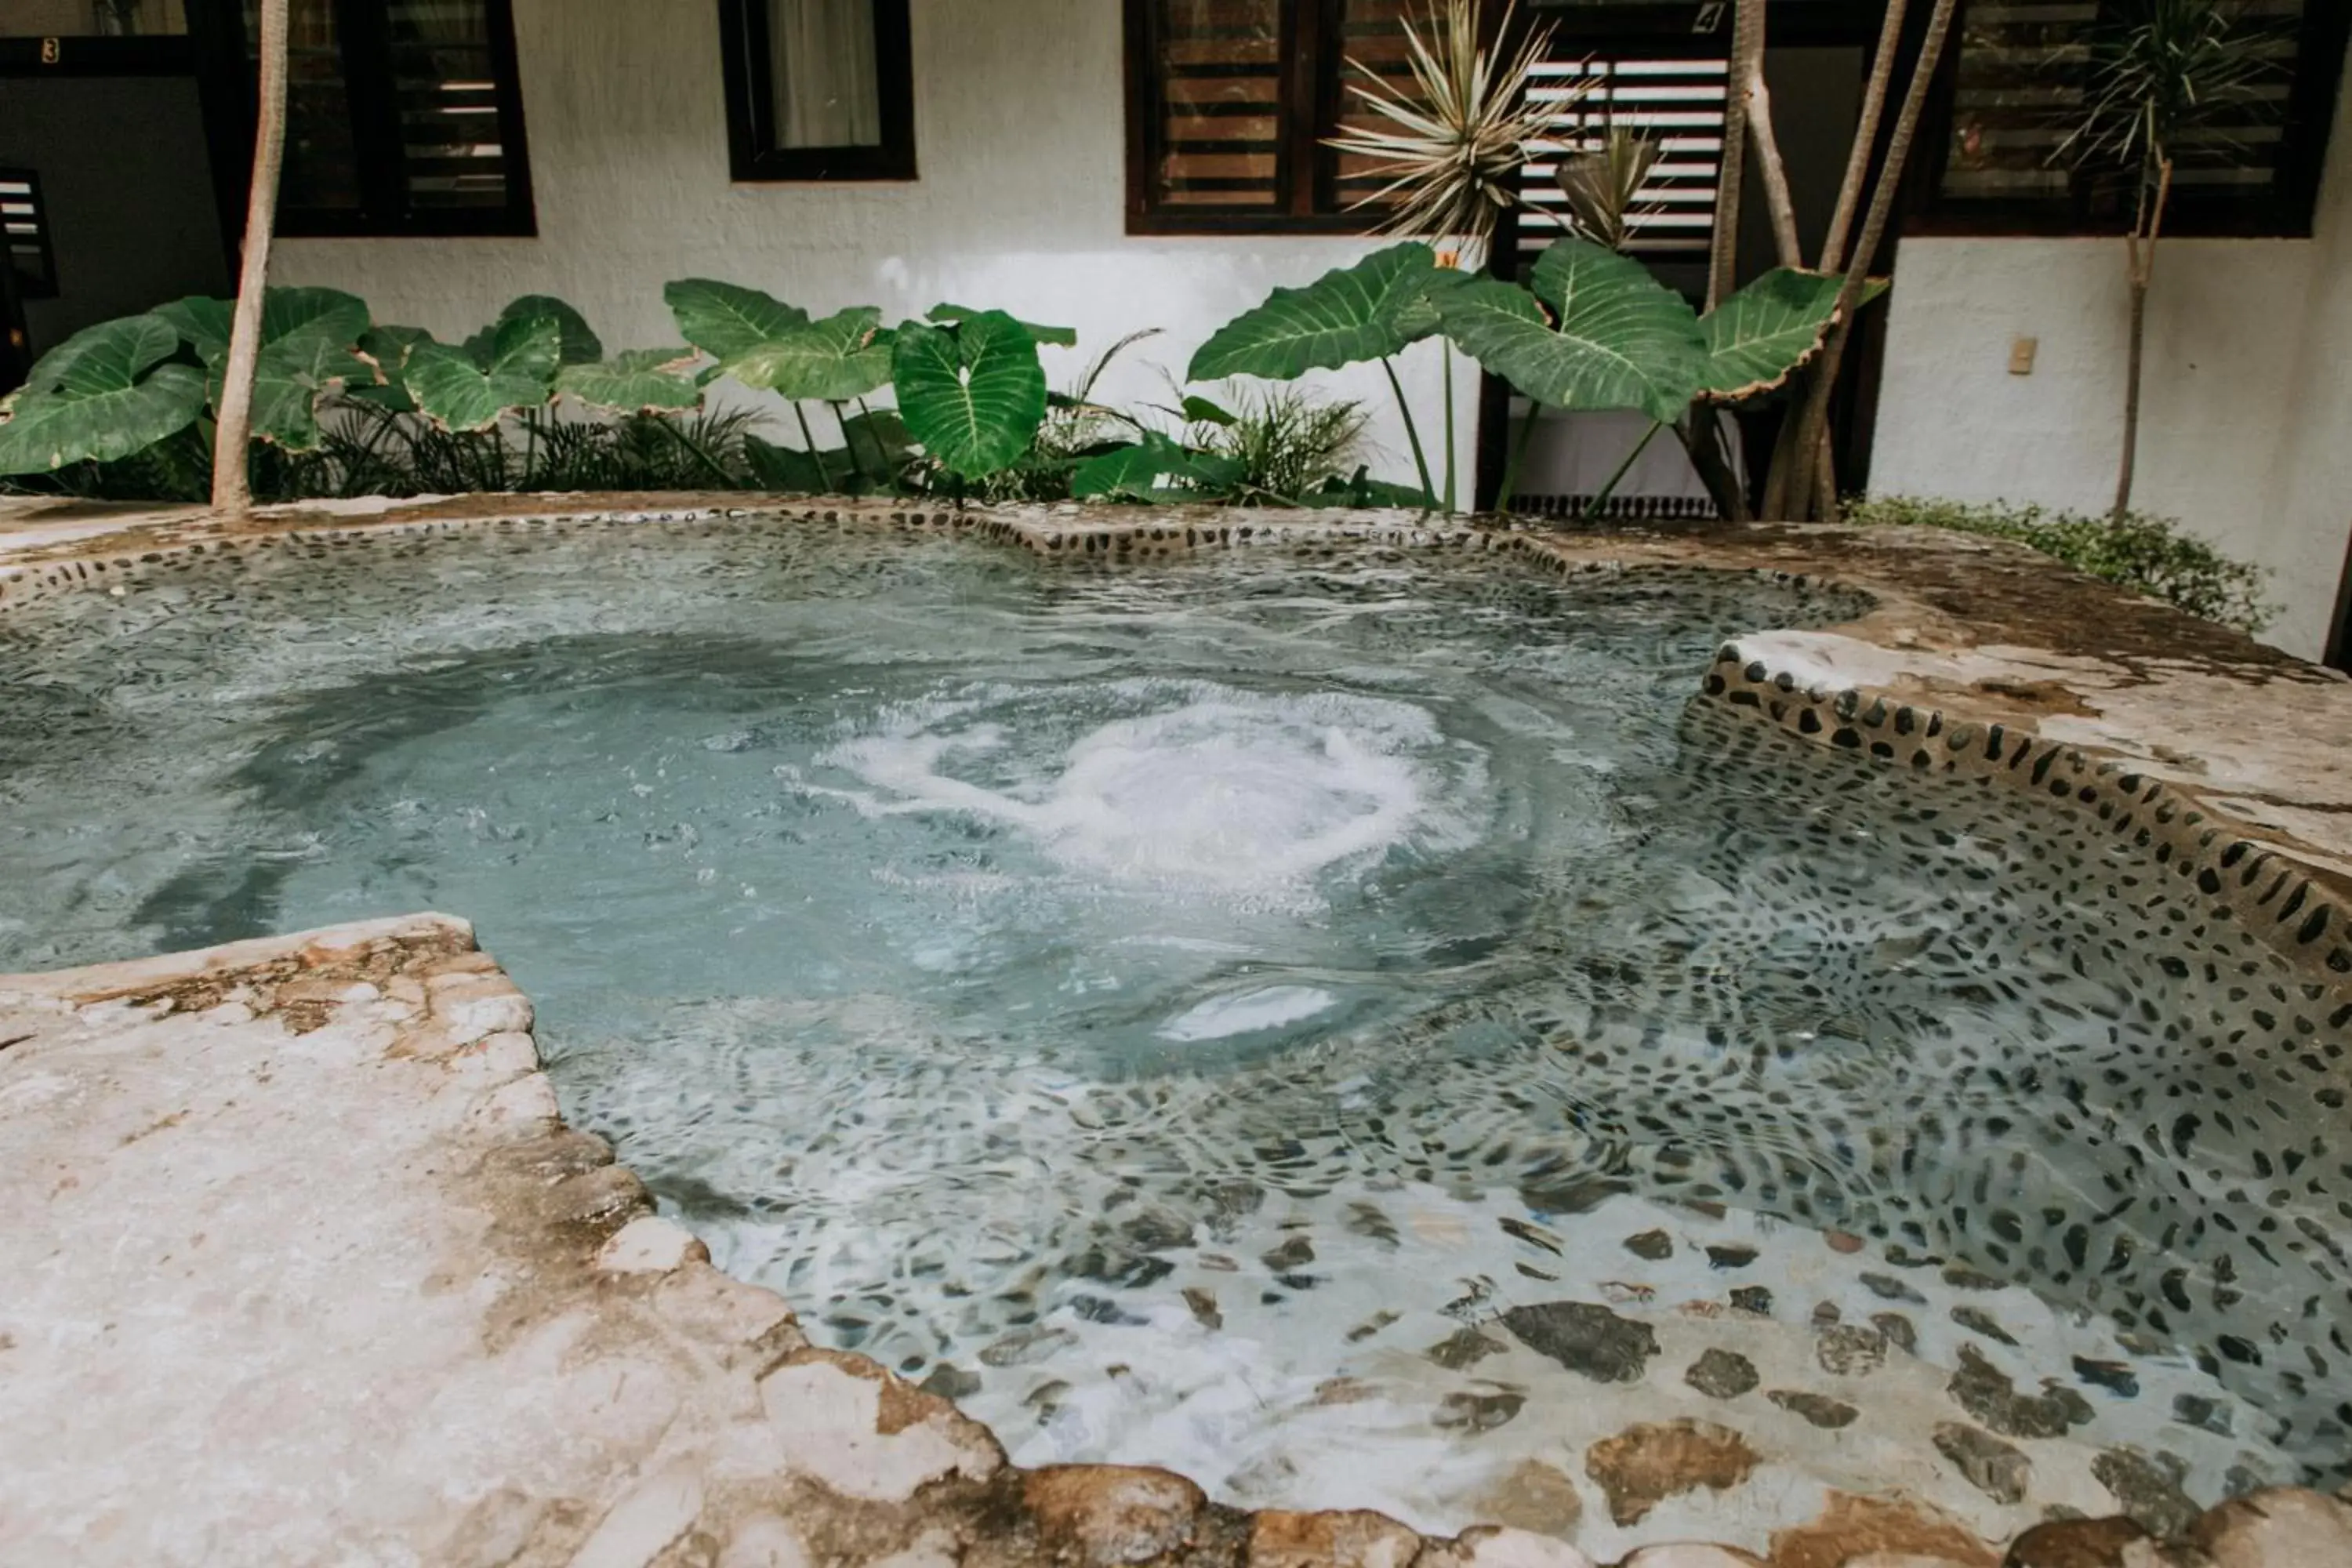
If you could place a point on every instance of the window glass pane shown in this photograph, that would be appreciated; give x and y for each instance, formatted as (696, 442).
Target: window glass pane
(826, 72)
(2026, 70)
(93, 18)
(445, 94)
(322, 170)
(1220, 68)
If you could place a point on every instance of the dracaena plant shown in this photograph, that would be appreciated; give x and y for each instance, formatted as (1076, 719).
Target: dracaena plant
(1450, 149)
(2164, 72)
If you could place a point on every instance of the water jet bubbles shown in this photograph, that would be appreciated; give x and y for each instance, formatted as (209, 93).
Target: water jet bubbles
(1194, 787)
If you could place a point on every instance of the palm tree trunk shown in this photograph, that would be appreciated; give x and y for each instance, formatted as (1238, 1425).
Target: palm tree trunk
(233, 441)
(1788, 248)
(1746, 47)
(2142, 255)
(1812, 415)
(1865, 137)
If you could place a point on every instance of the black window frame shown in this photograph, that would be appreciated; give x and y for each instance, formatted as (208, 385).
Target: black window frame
(747, 64)
(226, 74)
(2286, 210)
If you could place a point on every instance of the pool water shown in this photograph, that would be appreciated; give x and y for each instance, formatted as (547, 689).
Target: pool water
(1330, 1023)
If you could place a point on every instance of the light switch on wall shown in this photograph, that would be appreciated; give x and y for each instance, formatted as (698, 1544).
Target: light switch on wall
(2020, 355)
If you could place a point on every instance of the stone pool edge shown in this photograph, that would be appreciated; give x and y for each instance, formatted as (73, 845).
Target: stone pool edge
(772, 1450)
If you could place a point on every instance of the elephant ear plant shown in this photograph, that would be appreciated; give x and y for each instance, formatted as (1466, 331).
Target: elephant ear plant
(1371, 311)
(1595, 331)
(971, 389)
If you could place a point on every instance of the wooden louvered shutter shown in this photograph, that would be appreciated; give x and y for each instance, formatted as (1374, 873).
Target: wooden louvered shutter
(1370, 36)
(1217, 69)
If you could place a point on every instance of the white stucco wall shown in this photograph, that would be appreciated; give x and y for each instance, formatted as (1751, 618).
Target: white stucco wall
(2246, 428)
(1020, 120)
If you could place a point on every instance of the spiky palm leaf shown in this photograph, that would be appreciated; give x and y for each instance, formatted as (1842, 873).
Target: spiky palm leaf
(1602, 185)
(1450, 150)
(2168, 67)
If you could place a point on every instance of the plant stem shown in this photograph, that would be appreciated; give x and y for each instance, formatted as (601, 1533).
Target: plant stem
(2142, 256)
(824, 474)
(1450, 494)
(1601, 499)
(1510, 490)
(849, 442)
(1411, 431)
(881, 453)
(231, 449)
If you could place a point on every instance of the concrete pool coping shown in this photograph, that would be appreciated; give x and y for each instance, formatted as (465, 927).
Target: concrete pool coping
(454, 1332)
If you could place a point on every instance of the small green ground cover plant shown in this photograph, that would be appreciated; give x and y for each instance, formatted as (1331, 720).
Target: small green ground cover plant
(2151, 555)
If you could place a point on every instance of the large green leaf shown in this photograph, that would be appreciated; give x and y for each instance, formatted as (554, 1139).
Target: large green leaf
(1623, 341)
(844, 356)
(308, 338)
(973, 396)
(726, 319)
(1635, 343)
(514, 369)
(101, 396)
(635, 381)
(103, 358)
(580, 343)
(1142, 470)
(328, 315)
(289, 377)
(202, 323)
(1757, 339)
(1060, 337)
(1367, 311)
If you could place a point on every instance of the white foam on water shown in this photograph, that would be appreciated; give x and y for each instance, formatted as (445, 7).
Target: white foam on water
(1270, 1007)
(1210, 788)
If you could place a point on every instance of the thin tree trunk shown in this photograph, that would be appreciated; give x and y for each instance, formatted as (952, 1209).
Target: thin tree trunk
(1812, 415)
(1702, 437)
(233, 439)
(1747, 47)
(1777, 200)
(2142, 254)
(1865, 137)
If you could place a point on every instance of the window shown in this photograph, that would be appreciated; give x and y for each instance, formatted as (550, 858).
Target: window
(2020, 74)
(25, 222)
(819, 89)
(1229, 102)
(403, 116)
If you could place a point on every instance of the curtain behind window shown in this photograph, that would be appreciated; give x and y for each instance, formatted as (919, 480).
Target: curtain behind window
(827, 73)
